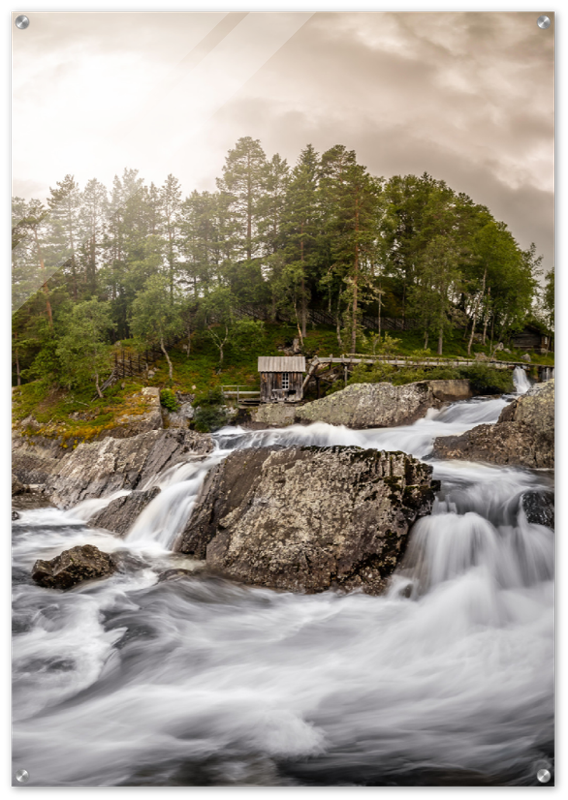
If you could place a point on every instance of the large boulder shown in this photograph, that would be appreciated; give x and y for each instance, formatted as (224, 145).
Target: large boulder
(99, 468)
(539, 507)
(523, 436)
(82, 563)
(119, 515)
(274, 415)
(309, 518)
(382, 405)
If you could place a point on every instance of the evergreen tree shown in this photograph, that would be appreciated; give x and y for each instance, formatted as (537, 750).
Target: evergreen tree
(93, 215)
(64, 206)
(244, 183)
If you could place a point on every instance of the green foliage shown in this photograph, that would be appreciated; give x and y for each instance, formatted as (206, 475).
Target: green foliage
(209, 420)
(488, 380)
(211, 413)
(168, 400)
(82, 349)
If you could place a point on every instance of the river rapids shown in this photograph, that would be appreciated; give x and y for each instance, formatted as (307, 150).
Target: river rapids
(446, 680)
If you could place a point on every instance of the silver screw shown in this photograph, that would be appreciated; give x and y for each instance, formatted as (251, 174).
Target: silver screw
(543, 775)
(22, 22)
(543, 22)
(22, 775)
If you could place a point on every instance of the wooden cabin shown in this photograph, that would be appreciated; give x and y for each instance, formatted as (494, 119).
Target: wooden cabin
(281, 378)
(531, 338)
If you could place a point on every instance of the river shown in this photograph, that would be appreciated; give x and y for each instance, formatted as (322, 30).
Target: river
(446, 680)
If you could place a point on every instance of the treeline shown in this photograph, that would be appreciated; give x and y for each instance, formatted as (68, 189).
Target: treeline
(143, 262)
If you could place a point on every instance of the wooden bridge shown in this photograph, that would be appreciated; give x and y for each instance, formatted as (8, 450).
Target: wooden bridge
(351, 360)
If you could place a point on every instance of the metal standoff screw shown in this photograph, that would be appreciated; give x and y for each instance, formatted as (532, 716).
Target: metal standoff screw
(22, 22)
(22, 775)
(543, 22)
(543, 775)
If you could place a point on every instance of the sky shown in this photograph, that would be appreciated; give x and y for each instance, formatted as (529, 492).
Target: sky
(466, 97)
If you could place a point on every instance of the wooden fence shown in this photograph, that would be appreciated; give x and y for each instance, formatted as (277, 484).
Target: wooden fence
(127, 363)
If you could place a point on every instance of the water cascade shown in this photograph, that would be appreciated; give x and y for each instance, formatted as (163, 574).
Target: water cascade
(445, 680)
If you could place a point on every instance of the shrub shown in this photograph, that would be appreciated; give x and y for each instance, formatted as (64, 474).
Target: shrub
(209, 420)
(488, 380)
(168, 400)
(210, 414)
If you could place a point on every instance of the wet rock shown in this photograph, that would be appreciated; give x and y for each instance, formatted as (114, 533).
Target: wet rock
(121, 513)
(15, 516)
(174, 575)
(523, 435)
(17, 486)
(100, 468)
(34, 463)
(382, 405)
(539, 507)
(309, 518)
(31, 500)
(274, 415)
(81, 563)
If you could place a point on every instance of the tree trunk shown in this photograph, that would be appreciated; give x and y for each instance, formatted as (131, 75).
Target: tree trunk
(44, 287)
(440, 340)
(100, 394)
(18, 376)
(475, 312)
(380, 308)
(165, 352)
(299, 329)
(355, 280)
(303, 301)
(486, 316)
(426, 340)
(338, 323)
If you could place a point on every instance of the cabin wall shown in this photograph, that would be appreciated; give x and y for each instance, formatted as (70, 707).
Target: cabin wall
(526, 340)
(271, 390)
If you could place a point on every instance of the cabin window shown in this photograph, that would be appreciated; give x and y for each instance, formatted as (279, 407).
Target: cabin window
(285, 380)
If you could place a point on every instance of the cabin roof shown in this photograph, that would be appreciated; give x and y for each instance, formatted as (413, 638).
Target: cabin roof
(281, 364)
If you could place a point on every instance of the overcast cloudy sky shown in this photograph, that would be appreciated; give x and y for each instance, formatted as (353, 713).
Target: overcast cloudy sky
(466, 97)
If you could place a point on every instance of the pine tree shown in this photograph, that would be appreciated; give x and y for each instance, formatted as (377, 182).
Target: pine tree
(64, 206)
(244, 183)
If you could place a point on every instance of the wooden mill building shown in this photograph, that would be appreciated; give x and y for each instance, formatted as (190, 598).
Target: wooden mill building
(281, 378)
(532, 338)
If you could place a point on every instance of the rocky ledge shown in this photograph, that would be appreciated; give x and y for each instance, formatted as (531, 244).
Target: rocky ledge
(100, 468)
(523, 436)
(309, 518)
(380, 405)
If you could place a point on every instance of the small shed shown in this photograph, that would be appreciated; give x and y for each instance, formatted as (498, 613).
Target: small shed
(281, 378)
(532, 338)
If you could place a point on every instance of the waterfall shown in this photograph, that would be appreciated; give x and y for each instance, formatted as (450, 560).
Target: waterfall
(446, 679)
(522, 383)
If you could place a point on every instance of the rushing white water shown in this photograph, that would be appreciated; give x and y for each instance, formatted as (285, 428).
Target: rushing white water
(447, 679)
(522, 383)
